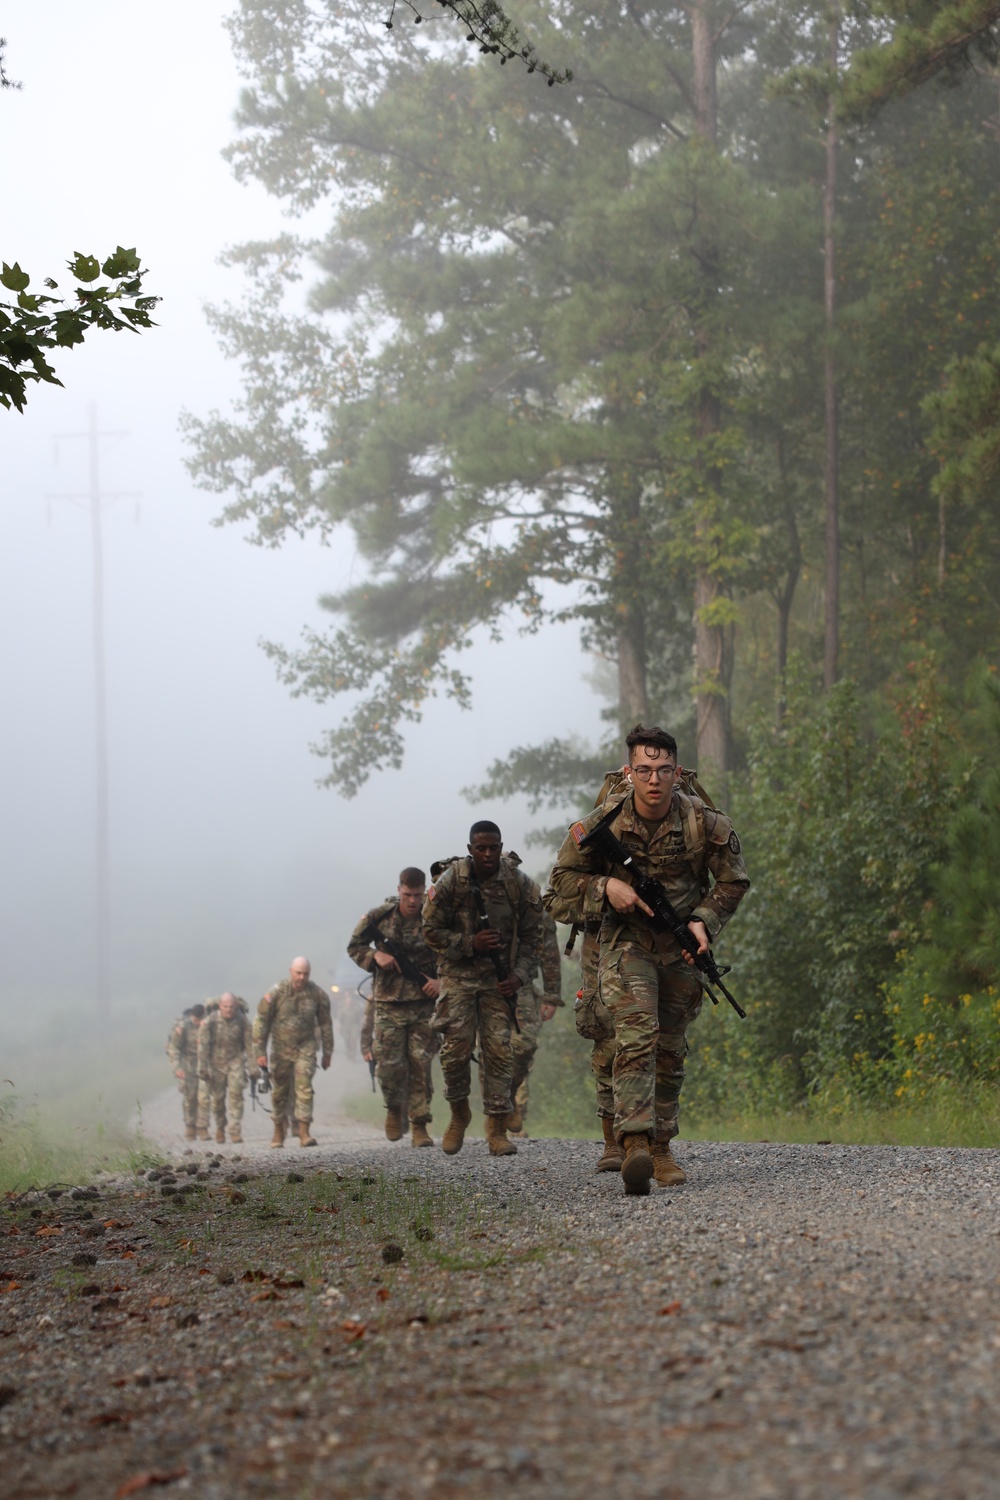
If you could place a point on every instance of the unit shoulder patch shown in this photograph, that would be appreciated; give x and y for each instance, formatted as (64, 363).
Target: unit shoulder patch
(734, 842)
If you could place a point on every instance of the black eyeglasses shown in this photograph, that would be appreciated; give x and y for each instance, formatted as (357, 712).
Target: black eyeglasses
(644, 773)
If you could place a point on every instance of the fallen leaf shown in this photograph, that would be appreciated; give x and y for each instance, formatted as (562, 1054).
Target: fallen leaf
(383, 1294)
(110, 1419)
(128, 1255)
(147, 1481)
(12, 1286)
(669, 1310)
(269, 1296)
(354, 1329)
(161, 1301)
(255, 1276)
(47, 1229)
(287, 1286)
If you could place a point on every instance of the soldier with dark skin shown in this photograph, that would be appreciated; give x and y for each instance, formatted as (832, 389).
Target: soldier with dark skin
(473, 1000)
(647, 982)
(182, 1050)
(288, 1017)
(403, 1041)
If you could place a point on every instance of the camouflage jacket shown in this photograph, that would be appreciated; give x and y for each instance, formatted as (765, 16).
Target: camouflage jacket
(451, 919)
(222, 1042)
(389, 984)
(289, 1019)
(367, 1038)
(551, 964)
(182, 1044)
(694, 853)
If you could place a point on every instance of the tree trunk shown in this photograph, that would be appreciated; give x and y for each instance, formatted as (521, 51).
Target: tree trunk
(630, 544)
(633, 702)
(831, 606)
(713, 641)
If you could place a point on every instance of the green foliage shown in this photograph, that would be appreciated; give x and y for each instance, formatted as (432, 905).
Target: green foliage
(38, 323)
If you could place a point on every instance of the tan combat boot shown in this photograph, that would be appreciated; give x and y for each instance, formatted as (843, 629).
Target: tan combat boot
(278, 1138)
(515, 1121)
(614, 1154)
(202, 1133)
(236, 1136)
(220, 1136)
(393, 1125)
(418, 1134)
(461, 1118)
(496, 1136)
(305, 1139)
(190, 1134)
(666, 1169)
(637, 1168)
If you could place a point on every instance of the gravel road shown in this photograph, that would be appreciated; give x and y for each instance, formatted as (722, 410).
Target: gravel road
(796, 1321)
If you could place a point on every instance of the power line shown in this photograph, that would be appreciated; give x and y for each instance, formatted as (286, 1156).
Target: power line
(96, 500)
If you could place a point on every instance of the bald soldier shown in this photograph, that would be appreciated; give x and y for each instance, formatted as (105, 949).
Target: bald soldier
(647, 982)
(288, 1018)
(225, 1056)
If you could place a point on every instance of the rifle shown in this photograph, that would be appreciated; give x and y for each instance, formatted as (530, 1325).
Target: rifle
(495, 956)
(372, 1065)
(665, 917)
(264, 1087)
(374, 934)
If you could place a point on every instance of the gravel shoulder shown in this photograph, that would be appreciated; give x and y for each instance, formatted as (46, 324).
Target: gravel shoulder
(796, 1321)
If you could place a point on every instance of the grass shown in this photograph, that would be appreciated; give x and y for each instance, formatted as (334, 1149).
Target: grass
(30, 1157)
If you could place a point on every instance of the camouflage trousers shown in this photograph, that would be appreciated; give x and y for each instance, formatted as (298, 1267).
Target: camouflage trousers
(460, 1015)
(652, 1004)
(231, 1080)
(291, 1081)
(405, 1047)
(524, 1045)
(594, 1023)
(194, 1099)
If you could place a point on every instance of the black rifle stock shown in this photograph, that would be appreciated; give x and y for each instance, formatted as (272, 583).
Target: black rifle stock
(257, 1090)
(494, 955)
(372, 1065)
(665, 917)
(374, 934)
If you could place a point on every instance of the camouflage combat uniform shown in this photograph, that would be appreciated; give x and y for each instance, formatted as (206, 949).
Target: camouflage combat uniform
(594, 1022)
(224, 1056)
(469, 999)
(403, 1043)
(182, 1050)
(289, 1019)
(529, 1004)
(347, 1009)
(367, 1040)
(651, 994)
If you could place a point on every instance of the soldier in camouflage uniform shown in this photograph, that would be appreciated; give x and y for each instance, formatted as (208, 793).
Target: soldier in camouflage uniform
(473, 999)
(594, 1022)
(534, 1007)
(225, 1051)
(289, 1017)
(182, 1050)
(403, 1041)
(650, 987)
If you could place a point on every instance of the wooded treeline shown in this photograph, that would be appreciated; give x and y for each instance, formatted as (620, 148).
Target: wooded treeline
(701, 350)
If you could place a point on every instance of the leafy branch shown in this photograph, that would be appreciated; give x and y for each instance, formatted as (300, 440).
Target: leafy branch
(37, 323)
(492, 29)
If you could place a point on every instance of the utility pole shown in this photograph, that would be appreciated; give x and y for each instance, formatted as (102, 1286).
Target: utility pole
(95, 501)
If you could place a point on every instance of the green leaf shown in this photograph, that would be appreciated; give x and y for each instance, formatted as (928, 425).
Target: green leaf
(122, 263)
(85, 267)
(14, 278)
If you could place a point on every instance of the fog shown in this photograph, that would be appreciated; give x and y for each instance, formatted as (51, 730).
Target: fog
(226, 859)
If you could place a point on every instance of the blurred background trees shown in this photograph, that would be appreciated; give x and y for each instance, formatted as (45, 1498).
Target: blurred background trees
(700, 349)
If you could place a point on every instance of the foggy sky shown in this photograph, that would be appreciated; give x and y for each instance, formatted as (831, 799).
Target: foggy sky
(226, 858)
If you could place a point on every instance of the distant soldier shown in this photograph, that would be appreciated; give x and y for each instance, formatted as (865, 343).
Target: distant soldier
(288, 1017)
(347, 1009)
(534, 1008)
(182, 1050)
(483, 919)
(225, 1054)
(389, 943)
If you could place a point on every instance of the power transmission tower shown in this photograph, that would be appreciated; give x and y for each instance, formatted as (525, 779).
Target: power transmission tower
(95, 500)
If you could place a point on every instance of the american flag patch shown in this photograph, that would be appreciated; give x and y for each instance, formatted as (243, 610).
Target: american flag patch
(579, 832)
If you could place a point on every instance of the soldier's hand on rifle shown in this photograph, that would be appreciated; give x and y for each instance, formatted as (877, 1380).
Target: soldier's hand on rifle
(509, 987)
(485, 940)
(368, 1056)
(325, 1063)
(623, 898)
(262, 1061)
(431, 989)
(699, 931)
(385, 960)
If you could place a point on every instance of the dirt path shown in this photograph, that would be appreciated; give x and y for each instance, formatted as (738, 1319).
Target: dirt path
(800, 1322)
